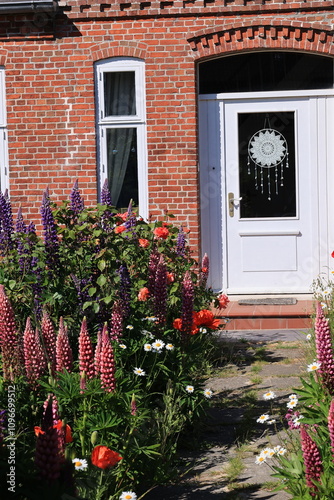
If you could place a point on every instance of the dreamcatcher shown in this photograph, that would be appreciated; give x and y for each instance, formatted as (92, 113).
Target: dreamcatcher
(268, 149)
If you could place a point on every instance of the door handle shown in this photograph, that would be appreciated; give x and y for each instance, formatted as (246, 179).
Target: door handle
(231, 201)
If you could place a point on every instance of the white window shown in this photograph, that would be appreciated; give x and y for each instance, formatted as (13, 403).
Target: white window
(3, 135)
(121, 126)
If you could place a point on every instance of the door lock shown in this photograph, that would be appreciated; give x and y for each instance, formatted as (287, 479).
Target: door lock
(231, 201)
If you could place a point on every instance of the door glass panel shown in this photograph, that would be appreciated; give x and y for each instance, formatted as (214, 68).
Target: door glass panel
(119, 93)
(122, 166)
(267, 170)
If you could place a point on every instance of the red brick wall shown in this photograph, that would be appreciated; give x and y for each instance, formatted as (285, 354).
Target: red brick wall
(50, 88)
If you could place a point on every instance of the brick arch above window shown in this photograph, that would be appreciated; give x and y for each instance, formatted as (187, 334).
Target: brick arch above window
(272, 35)
(118, 49)
(3, 57)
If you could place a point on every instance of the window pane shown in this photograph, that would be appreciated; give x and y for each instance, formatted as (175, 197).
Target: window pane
(265, 71)
(122, 166)
(267, 173)
(119, 93)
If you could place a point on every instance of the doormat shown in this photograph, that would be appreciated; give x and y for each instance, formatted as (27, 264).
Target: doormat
(286, 301)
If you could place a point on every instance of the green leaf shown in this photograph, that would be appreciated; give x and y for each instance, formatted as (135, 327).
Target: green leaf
(91, 291)
(96, 307)
(87, 304)
(101, 265)
(101, 280)
(11, 284)
(107, 299)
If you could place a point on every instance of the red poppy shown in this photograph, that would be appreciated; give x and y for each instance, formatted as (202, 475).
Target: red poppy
(332, 254)
(68, 431)
(104, 457)
(143, 294)
(119, 229)
(143, 242)
(177, 324)
(123, 216)
(170, 278)
(223, 300)
(206, 318)
(161, 232)
(38, 430)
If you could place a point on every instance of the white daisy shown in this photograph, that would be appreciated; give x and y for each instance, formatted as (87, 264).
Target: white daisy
(203, 330)
(323, 305)
(293, 396)
(282, 451)
(272, 421)
(296, 420)
(139, 371)
(269, 395)
(308, 336)
(260, 459)
(147, 347)
(158, 345)
(122, 346)
(190, 389)
(80, 463)
(208, 393)
(169, 347)
(128, 495)
(267, 452)
(291, 404)
(151, 318)
(263, 418)
(129, 327)
(313, 366)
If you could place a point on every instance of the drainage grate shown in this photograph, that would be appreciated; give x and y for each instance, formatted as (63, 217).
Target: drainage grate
(286, 301)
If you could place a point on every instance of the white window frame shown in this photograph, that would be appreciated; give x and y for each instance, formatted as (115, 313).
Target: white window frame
(137, 121)
(3, 134)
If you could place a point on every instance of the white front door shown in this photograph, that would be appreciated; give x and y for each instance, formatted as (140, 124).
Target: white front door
(267, 207)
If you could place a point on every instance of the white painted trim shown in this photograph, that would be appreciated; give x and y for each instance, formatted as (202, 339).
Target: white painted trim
(4, 170)
(270, 233)
(288, 94)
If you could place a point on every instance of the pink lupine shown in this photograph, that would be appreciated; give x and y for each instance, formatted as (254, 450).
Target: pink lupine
(8, 338)
(34, 358)
(204, 271)
(107, 366)
(49, 340)
(331, 426)
(324, 348)
(86, 352)
(49, 457)
(64, 356)
(160, 291)
(312, 460)
(117, 315)
(187, 303)
(97, 354)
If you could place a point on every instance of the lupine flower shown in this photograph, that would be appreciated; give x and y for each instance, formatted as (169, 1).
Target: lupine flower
(133, 405)
(204, 271)
(64, 356)
(80, 463)
(7, 226)
(2, 427)
(8, 338)
(104, 457)
(124, 289)
(107, 365)
(130, 220)
(331, 426)
(34, 358)
(152, 268)
(160, 291)
(81, 286)
(117, 315)
(86, 352)
(76, 202)
(324, 349)
(51, 242)
(49, 340)
(312, 459)
(49, 457)
(97, 354)
(105, 194)
(139, 371)
(187, 303)
(181, 243)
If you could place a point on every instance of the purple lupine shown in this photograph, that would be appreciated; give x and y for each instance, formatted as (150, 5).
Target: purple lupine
(86, 353)
(117, 316)
(37, 288)
(64, 356)
(2, 426)
(312, 460)
(8, 338)
(105, 194)
(106, 200)
(324, 349)
(49, 456)
(97, 354)
(204, 271)
(34, 358)
(152, 269)
(76, 202)
(55, 408)
(187, 303)
(82, 287)
(51, 241)
(331, 426)
(131, 219)
(160, 293)
(181, 243)
(49, 339)
(107, 366)
(124, 289)
(7, 226)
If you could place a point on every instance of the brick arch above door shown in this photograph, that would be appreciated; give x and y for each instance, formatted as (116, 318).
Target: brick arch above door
(118, 49)
(310, 37)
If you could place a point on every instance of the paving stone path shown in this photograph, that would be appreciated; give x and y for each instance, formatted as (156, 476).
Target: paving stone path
(223, 466)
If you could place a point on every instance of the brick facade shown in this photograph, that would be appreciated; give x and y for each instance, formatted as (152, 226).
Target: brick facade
(49, 64)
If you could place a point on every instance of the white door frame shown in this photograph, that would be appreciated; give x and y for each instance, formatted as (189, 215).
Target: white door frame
(213, 185)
